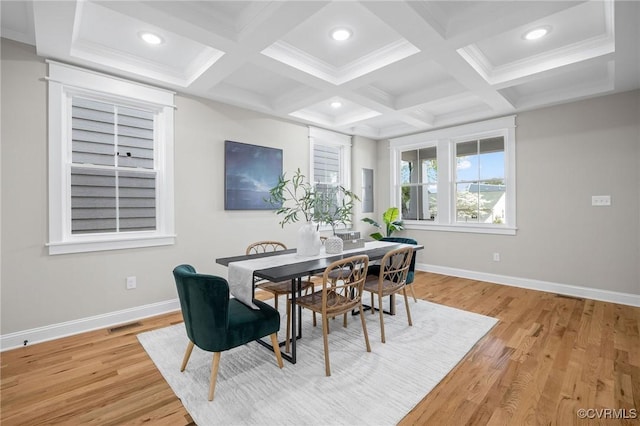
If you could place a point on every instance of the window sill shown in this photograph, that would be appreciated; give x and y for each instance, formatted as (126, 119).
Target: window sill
(118, 243)
(468, 228)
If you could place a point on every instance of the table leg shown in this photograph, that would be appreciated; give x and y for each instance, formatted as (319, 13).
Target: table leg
(296, 325)
(295, 292)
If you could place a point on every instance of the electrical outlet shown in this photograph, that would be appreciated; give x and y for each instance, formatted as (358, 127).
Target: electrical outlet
(496, 257)
(131, 283)
(601, 200)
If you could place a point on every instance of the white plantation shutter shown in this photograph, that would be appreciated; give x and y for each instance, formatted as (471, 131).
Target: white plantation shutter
(326, 164)
(107, 141)
(330, 157)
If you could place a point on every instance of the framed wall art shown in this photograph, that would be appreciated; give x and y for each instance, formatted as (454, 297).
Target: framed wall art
(250, 171)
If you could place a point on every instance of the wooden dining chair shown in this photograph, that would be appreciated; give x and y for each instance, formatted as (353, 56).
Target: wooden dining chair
(373, 269)
(392, 279)
(215, 322)
(341, 292)
(277, 288)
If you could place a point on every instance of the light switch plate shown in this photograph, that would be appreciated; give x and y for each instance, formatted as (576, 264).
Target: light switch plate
(601, 200)
(131, 283)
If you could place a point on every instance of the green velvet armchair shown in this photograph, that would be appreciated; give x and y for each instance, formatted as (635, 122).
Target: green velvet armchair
(215, 322)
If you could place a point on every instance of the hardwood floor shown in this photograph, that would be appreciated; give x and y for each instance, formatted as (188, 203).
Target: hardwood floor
(547, 357)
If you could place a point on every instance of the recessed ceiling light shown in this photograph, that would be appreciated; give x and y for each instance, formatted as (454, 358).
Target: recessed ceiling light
(340, 34)
(536, 33)
(151, 38)
(336, 104)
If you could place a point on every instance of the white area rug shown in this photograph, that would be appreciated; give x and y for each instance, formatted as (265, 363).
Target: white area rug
(376, 388)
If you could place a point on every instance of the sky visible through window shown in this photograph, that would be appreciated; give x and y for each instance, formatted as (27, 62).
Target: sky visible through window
(491, 167)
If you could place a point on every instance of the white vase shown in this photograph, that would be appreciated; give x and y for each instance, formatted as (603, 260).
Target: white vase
(334, 245)
(308, 240)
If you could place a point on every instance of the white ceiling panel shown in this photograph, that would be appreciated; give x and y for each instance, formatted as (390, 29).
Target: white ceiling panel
(575, 25)
(369, 34)
(595, 78)
(409, 66)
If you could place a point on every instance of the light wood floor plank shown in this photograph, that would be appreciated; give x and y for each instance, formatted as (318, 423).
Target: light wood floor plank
(548, 356)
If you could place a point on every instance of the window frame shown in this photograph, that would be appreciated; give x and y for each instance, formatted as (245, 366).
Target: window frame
(66, 81)
(445, 142)
(324, 137)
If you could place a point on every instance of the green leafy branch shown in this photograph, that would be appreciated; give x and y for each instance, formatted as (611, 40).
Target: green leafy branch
(296, 198)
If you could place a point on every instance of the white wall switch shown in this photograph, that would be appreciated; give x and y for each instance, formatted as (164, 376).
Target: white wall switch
(496, 257)
(131, 283)
(601, 200)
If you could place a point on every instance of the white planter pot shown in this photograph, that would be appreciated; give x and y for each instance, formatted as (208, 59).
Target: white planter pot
(334, 245)
(308, 240)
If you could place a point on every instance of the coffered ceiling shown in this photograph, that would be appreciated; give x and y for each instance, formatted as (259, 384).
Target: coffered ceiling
(409, 66)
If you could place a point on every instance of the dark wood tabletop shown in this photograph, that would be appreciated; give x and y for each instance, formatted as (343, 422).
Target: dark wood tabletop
(312, 266)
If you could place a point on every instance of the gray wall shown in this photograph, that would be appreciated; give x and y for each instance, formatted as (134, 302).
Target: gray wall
(565, 154)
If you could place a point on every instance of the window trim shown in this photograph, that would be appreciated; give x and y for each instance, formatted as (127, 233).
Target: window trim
(66, 81)
(445, 140)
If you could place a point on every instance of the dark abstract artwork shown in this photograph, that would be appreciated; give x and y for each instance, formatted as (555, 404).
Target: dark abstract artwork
(250, 172)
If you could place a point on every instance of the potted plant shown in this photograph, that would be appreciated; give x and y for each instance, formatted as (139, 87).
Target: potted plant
(391, 219)
(296, 200)
(334, 206)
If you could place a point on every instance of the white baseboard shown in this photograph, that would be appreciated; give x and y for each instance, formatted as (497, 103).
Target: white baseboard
(566, 289)
(69, 328)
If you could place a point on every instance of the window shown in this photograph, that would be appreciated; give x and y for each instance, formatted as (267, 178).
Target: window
(419, 183)
(480, 182)
(110, 163)
(457, 179)
(330, 161)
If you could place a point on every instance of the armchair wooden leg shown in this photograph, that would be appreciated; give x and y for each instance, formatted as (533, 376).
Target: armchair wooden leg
(413, 293)
(214, 374)
(381, 319)
(187, 355)
(364, 330)
(325, 337)
(276, 349)
(406, 303)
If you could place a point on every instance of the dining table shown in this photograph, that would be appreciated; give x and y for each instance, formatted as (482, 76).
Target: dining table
(285, 265)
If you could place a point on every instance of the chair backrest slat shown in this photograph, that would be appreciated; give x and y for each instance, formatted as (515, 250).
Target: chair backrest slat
(404, 240)
(265, 247)
(395, 266)
(342, 283)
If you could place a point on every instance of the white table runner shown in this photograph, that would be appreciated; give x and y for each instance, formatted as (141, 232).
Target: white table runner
(240, 275)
